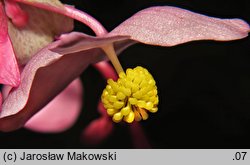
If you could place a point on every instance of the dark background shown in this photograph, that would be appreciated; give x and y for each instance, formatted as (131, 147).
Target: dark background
(204, 87)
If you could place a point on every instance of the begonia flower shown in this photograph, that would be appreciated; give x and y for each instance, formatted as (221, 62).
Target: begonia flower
(52, 68)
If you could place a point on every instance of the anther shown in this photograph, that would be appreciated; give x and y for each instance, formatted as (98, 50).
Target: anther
(132, 96)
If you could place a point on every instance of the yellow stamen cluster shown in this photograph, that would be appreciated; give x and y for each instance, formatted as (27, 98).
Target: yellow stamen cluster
(131, 96)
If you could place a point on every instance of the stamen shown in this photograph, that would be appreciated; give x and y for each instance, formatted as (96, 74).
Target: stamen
(137, 116)
(109, 50)
(132, 96)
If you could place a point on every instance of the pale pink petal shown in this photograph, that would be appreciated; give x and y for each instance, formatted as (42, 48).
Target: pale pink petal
(9, 72)
(61, 113)
(97, 131)
(46, 75)
(169, 26)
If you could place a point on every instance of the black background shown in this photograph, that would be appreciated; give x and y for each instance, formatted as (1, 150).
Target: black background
(204, 86)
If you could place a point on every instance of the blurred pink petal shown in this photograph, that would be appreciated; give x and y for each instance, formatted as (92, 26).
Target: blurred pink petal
(139, 138)
(61, 113)
(9, 72)
(102, 111)
(97, 131)
(169, 26)
(106, 70)
(47, 74)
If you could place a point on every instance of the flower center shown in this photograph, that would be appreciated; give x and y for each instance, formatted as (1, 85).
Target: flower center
(132, 96)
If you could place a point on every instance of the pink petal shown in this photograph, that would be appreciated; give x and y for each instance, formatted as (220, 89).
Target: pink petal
(97, 131)
(1, 99)
(61, 113)
(3, 24)
(169, 26)
(46, 75)
(9, 72)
